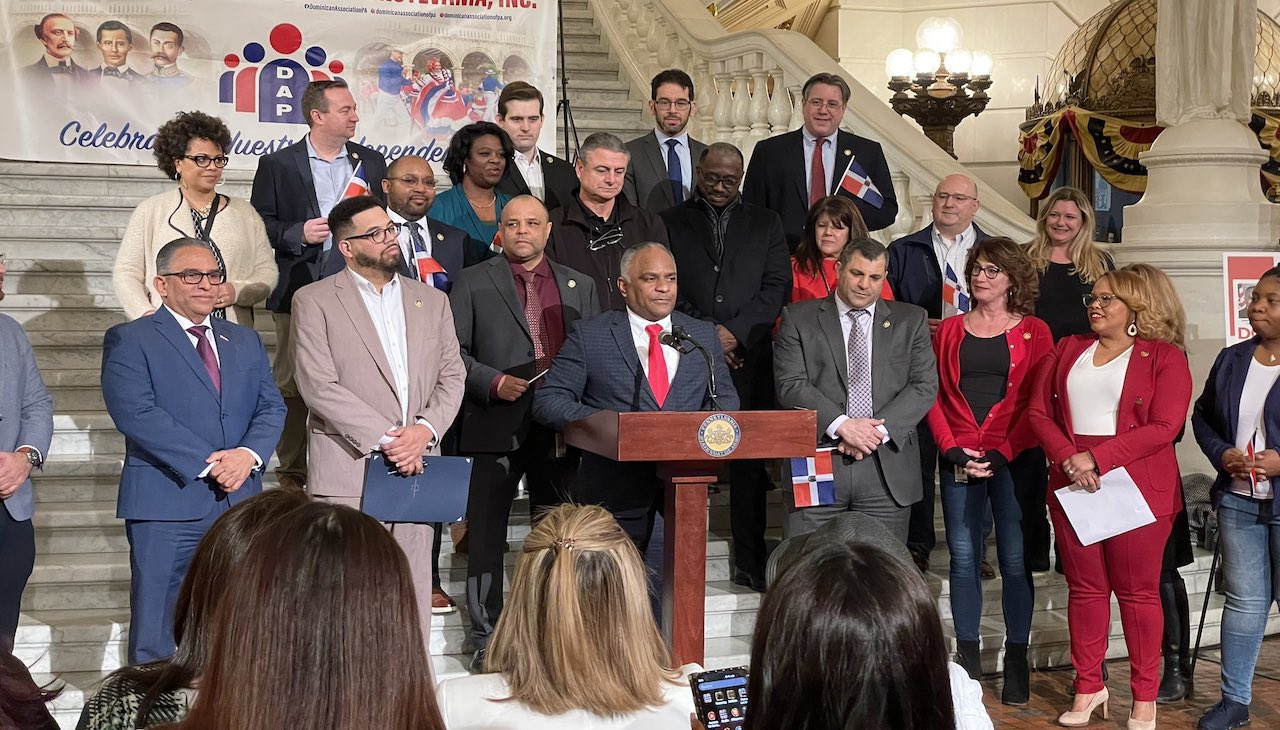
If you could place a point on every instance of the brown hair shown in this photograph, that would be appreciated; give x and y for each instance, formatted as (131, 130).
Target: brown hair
(324, 622)
(1088, 261)
(519, 91)
(1165, 319)
(577, 631)
(843, 213)
(1024, 280)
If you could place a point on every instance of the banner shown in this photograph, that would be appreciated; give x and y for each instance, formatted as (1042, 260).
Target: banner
(1240, 273)
(93, 83)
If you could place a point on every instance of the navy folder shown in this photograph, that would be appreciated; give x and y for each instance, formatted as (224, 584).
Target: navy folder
(438, 494)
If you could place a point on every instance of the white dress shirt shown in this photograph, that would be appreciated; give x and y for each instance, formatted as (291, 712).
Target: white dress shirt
(956, 254)
(530, 168)
(682, 152)
(828, 159)
(186, 325)
(846, 326)
(640, 336)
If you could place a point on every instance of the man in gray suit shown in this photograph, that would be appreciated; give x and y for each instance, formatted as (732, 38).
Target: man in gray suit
(511, 313)
(661, 171)
(25, 433)
(866, 366)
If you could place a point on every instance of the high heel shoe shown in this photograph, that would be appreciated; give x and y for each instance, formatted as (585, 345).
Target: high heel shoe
(1133, 724)
(1082, 718)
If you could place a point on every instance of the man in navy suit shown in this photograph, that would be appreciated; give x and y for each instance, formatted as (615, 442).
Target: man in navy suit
(194, 397)
(791, 172)
(294, 190)
(616, 362)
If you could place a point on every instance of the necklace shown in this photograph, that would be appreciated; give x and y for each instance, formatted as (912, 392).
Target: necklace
(474, 204)
(204, 211)
(1271, 356)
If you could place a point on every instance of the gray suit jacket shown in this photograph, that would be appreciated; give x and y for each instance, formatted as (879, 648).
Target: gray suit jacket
(811, 366)
(494, 338)
(26, 408)
(646, 183)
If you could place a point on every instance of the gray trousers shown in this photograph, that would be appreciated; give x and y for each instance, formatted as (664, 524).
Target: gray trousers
(859, 488)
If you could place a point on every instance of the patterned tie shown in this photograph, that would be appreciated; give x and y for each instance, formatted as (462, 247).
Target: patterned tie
(533, 315)
(859, 404)
(205, 351)
(657, 365)
(817, 174)
(425, 268)
(673, 171)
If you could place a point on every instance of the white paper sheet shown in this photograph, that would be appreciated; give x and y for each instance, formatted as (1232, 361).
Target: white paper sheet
(1117, 507)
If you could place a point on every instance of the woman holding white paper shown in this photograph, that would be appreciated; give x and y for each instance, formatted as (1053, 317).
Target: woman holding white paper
(1095, 410)
(1237, 424)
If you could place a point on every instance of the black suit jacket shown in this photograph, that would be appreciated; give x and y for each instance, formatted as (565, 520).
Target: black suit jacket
(41, 70)
(284, 194)
(647, 184)
(494, 338)
(776, 180)
(558, 180)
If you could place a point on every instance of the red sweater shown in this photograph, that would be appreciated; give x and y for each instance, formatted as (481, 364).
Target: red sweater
(1005, 428)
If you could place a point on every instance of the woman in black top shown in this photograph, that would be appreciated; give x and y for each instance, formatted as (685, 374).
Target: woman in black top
(1069, 262)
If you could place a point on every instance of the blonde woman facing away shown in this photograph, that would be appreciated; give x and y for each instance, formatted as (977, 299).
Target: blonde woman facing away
(576, 646)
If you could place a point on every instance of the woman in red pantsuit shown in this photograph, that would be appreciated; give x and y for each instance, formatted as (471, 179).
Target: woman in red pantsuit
(1095, 409)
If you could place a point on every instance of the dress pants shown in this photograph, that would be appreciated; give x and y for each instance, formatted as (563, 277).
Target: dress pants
(415, 541)
(292, 448)
(494, 481)
(859, 488)
(1129, 566)
(17, 560)
(160, 552)
(921, 535)
(748, 480)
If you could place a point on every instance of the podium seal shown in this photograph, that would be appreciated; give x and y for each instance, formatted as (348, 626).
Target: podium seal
(719, 435)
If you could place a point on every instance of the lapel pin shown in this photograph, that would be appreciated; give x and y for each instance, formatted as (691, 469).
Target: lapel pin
(439, 236)
(549, 159)
(417, 303)
(1145, 353)
(848, 152)
(223, 338)
(356, 155)
(886, 324)
(1026, 335)
(572, 283)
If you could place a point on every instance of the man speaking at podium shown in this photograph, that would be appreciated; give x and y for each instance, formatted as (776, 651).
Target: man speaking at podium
(645, 358)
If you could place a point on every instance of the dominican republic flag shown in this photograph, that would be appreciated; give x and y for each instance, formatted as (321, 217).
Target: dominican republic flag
(431, 272)
(357, 185)
(812, 480)
(857, 183)
(953, 293)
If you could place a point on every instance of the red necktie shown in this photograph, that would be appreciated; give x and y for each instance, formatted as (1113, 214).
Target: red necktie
(817, 174)
(205, 351)
(657, 365)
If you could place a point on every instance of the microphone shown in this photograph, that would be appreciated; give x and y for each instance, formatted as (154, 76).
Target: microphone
(678, 332)
(670, 340)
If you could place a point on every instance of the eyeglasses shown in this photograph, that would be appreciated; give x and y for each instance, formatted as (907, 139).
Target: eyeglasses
(203, 161)
(193, 277)
(680, 104)
(381, 235)
(412, 182)
(816, 104)
(961, 199)
(730, 183)
(990, 272)
(1103, 300)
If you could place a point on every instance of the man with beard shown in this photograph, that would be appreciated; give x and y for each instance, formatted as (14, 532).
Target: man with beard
(379, 368)
(661, 171)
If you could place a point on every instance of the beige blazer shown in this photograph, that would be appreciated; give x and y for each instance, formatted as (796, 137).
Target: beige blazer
(345, 377)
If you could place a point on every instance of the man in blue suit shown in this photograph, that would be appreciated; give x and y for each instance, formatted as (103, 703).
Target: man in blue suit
(26, 428)
(617, 362)
(200, 413)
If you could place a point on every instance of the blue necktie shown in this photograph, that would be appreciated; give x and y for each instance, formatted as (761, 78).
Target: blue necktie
(673, 172)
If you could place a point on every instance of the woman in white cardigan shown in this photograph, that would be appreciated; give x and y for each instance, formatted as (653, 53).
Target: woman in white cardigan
(192, 149)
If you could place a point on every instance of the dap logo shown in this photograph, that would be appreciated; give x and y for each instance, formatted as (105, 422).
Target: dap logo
(274, 90)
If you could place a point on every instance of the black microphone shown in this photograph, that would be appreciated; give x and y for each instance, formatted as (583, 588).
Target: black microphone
(680, 333)
(673, 342)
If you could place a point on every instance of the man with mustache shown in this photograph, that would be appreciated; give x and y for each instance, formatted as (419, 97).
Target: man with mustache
(661, 171)
(58, 34)
(166, 45)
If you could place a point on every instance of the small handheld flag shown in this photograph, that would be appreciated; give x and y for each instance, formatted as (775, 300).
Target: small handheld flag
(812, 480)
(857, 183)
(433, 273)
(953, 293)
(357, 185)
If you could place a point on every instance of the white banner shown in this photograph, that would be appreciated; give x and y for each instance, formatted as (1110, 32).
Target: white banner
(94, 83)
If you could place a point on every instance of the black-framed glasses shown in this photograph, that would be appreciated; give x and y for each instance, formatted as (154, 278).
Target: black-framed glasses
(681, 104)
(1102, 300)
(193, 277)
(988, 271)
(381, 235)
(730, 183)
(203, 160)
(410, 181)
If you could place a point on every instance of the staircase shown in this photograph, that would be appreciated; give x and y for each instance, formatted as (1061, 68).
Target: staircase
(60, 225)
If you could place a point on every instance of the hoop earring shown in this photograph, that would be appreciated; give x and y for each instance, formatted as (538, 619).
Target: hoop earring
(1132, 329)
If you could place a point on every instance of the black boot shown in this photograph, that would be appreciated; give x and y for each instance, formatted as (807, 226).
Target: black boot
(1017, 676)
(1175, 685)
(969, 656)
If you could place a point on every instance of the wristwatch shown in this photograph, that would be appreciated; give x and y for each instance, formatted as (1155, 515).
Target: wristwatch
(32, 455)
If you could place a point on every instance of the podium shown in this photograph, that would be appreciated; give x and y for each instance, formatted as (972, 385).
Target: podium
(691, 450)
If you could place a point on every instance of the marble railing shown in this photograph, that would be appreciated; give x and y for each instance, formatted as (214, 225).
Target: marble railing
(748, 89)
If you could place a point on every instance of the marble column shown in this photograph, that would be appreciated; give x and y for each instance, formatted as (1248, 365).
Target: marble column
(1203, 193)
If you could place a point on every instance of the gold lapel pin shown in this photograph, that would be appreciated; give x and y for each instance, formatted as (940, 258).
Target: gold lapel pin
(1145, 353)
(439, 236)
(572, 283)
(549, 159)
(417, 303)
(848, 152)
(1026, 335)
(886, 324)
(356, 155)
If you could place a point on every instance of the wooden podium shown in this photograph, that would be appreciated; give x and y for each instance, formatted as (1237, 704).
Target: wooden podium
(690, 449)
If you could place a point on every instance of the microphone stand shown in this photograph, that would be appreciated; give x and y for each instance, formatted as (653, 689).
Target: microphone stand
(680, 334)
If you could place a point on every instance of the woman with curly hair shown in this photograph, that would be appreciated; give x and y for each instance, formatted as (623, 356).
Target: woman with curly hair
(191, 149)
(1096, 409)
(1069, 262)
(478, 156)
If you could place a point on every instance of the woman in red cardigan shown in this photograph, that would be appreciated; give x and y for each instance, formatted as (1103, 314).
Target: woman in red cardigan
(985, 358)
(1094, 410)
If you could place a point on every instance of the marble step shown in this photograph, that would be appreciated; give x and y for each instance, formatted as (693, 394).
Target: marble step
(78, 313)
(42, 235)
(104, 182)
(87, 398)
(67, 212)
(77, 480)
(580, 27)
(85, 433)
(87, 250)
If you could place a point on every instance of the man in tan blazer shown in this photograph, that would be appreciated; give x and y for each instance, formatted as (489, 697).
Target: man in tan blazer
(378, 366)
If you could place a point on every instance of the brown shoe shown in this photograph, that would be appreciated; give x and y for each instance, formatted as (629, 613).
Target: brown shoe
(441, 603)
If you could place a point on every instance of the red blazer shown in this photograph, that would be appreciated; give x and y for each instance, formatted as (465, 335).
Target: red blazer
(1146, 425)
(1005, 428)
(805, 286)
